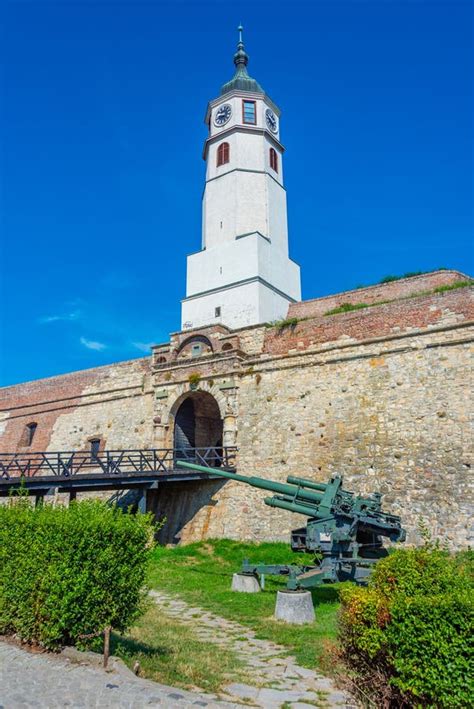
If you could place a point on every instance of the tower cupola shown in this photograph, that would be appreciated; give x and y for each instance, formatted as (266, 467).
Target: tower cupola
(241, 81)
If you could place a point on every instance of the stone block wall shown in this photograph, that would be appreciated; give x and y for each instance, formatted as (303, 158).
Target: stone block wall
(379, 395)
(393, 419)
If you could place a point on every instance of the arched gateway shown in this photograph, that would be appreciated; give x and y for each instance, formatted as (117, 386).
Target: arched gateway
(197, 424)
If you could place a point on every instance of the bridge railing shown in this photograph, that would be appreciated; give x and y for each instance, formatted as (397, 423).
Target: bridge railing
(110, 462)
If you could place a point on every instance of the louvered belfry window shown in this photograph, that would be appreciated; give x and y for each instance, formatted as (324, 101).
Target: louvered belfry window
(223, 154)
(273, 159)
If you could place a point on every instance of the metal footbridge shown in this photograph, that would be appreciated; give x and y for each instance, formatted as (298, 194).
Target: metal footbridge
(40, 473)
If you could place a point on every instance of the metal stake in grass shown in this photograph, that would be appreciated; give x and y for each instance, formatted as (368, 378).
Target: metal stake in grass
(106, 645)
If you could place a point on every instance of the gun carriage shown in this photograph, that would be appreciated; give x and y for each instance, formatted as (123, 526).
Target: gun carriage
(344, 532)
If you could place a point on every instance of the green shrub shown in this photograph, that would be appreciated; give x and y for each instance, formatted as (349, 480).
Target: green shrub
(409, 635)
(69, 572)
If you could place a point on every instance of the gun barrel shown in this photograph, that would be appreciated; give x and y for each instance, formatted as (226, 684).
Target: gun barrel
(270, 485)
(303, 482)
(291, 506)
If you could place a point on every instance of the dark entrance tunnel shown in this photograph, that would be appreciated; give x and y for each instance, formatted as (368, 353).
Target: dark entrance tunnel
(197, 424)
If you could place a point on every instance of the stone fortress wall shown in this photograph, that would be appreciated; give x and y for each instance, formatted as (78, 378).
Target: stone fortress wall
(380, 395)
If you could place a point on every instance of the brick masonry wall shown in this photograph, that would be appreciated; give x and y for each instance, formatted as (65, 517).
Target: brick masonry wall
(402, 288)
(113, 403)
(394, 318)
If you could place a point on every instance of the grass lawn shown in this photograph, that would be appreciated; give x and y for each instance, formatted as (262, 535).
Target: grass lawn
(171, 654)
(201, 574)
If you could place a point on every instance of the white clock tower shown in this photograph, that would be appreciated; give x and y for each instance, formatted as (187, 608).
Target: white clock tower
(243, 274)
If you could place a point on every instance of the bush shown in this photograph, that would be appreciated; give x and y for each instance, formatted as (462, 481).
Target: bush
(69, 572)
(409, 635)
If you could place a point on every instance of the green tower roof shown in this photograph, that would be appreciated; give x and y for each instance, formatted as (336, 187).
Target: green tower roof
(241, 80)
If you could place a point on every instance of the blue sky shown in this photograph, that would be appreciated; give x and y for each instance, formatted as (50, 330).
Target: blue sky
(102, 176)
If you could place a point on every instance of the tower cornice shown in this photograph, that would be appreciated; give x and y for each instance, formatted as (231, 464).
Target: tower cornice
(238, 128)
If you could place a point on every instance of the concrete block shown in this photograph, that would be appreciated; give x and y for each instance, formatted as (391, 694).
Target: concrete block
(245, 583)
(294, 607)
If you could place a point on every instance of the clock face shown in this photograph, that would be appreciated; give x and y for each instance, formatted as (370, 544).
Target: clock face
(223, 115)
(271, 120)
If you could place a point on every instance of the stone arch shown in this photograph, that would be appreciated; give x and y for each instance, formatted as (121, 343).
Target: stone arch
(226, 405)
(201, 339)
(182, 391)
(197, 427)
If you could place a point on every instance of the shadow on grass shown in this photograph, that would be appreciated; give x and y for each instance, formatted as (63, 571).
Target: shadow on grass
(325, 594)
(128, 647)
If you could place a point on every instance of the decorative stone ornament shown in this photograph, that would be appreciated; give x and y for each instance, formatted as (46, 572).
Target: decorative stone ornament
(294, 607)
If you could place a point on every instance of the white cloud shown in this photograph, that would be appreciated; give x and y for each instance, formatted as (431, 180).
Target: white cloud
(143, 346)
(74, 315)
(92, 345)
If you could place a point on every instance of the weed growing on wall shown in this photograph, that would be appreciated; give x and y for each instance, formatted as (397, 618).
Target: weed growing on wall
(282, 325)
(70, 572)
(194, 379)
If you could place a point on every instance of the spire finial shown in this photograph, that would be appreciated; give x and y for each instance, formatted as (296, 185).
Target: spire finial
(240, 57)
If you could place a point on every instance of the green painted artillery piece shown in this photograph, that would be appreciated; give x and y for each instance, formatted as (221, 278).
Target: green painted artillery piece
(344, 532)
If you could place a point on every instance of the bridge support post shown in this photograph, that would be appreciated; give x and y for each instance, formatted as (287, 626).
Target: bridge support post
(39, 499)
(72, 496)
(142, 502)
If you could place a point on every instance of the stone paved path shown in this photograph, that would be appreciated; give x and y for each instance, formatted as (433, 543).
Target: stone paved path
(47, 681)
(278, 679)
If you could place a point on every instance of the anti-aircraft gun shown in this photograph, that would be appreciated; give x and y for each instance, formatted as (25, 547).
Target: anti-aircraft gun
(344, 531)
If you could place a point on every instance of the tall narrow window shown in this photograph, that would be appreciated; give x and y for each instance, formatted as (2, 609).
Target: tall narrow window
(273, 159)
(95, 447)
(28, 434)
(248, 112)
(223, 154)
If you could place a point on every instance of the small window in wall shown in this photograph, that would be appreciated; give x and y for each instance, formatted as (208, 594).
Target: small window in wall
(29, 434)
(273, 159)
(248, 112)
(196, 349)
(223, 154)
(217, 312)
(95, 447)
